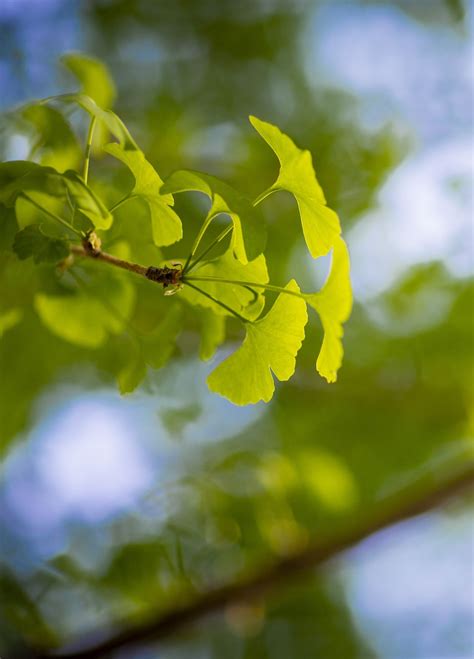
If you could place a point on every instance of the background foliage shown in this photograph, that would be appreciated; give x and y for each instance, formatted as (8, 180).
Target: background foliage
(112, 506)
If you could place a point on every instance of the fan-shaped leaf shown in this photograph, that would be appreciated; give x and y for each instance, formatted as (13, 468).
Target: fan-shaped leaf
(333, 303)
(248, 236)
(31, 241)
(270, 346)
(320, 224)
(166, 225)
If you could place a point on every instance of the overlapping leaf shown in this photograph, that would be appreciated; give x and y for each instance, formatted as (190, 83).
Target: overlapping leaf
(320, 224)
(248, 236)
(246, 301)
(21, 176)
(270, 346)
(333, 304)
(166, 225)
(31, 241)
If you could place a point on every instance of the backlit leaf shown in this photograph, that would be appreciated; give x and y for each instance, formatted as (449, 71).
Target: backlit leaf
(212, 333)
(246, 301)
(270, 346)
(333, 304)
(94, 77)
(248, 236)
(166, 225)
(320, 224)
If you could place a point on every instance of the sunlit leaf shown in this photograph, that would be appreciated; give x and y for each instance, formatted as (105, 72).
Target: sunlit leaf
(21, 176)
(212, 333)
(9, 319)
(246, 301)
(333, 303)
(31, 241)
(166, 225)
(55, 141)
(320, 224)
(94, 76)
(248, 236)
(87, 317)
(270, 346)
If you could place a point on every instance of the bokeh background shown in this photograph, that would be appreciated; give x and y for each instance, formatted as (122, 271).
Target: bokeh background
(112, 506)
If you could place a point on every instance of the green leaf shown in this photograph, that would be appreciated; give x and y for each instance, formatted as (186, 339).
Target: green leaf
(9, 319)
(320, 224)
(155, 350)
(21, 176)
(212, 333)
(87, 317)
(270, 346)
(333, 304)
(166, 225)
(106, 117)
(56, 142)
(245, 301)
(31, 241)
(248, 236)
(94, 76)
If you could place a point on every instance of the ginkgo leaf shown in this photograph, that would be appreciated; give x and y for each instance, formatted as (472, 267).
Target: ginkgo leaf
(94, 76)
(270, 346)
(212, 333)
(320, 224)
(246, 301)
(333, 304)
(166, 225)
(55, 141)
(87, 317)
(31, 241)
(248, 236)
(154, 350)
(21, 176)
(106, 117)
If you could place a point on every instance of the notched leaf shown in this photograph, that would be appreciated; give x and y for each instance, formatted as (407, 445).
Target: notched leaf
(249, 235)
(270, 347)
(320, 224)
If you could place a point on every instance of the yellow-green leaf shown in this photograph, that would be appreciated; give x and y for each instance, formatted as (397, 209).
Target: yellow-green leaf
(333, 304)
(212, 333)
(270, 346)
(248, 236)
(94, 77)
(320, 224)
(166, 225)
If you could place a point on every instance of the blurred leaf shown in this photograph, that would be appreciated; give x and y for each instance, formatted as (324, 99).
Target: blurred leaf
(333, 303)
(270, 345)
(87, 317)
(32, 242)
(56, 142)
(166, 225)
(320, 224)
(22, 176)
(9, 319)
(94, 76)
(212, 333)
(248, 236)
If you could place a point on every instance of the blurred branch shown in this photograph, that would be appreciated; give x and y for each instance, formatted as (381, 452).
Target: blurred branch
(413, 502)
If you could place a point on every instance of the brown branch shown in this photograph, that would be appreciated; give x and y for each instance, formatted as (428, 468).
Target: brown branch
(412, 503)
(165, 276)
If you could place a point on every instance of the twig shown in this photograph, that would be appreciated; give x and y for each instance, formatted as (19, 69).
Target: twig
(164, 625)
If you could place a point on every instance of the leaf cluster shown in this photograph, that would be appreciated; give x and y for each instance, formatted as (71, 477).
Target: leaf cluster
(63, 218)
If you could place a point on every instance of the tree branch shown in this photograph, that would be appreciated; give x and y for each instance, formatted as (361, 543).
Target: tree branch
(411, 503)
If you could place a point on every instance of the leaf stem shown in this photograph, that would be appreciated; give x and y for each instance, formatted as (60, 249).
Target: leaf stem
(121, 201)
(221, 236)
(198, 239)
(263, 195)
(246, 284)
(90, 135)
(50, 214)
(221, 304)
